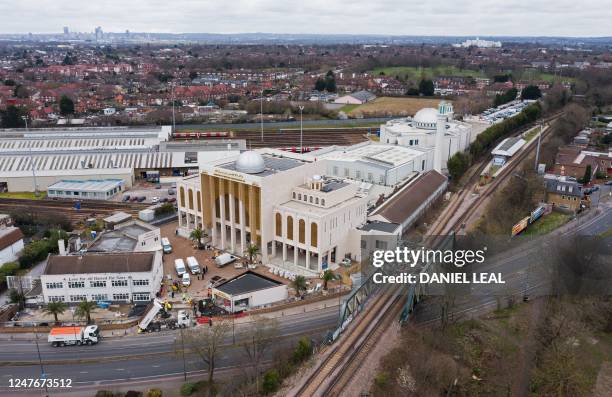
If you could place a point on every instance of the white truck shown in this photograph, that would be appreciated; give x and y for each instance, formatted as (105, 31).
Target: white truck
(146, 320)
(179, 265)
(62, 336)
(193, 264)
(225, 259)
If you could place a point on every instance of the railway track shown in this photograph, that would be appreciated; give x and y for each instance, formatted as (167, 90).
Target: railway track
(47, 207)
(333, 373)
(446, 227)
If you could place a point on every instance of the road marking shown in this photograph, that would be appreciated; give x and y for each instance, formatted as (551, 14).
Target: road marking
(155, 366)
(83, 372)
(120, 369)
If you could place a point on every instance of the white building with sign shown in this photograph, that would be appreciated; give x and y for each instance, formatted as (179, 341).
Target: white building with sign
(117, 277)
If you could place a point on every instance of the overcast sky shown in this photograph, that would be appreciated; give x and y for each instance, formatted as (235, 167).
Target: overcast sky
(393, 17)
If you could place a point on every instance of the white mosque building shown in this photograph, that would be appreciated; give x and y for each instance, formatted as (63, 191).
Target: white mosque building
(433, 129)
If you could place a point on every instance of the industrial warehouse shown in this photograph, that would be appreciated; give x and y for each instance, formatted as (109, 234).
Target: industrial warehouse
(36, 159)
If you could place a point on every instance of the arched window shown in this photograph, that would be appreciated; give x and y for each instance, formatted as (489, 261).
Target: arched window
(199, 199)
(182, 196)
(313, 234)
(279, 225)
(190, 197)
(290, 227)
(302, 231)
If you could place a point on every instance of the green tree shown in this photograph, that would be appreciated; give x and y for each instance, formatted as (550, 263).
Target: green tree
(458, 164)
(320, 85)
(252, 251)
(11, 117)
(271, 381)
(302, 351)
(588, 172)
(55, 308)
(299, 284)
(330, 82)
(328, 276)
(17, 297)
(531, 92)
(84, 309)
(426, 87)
(66, 106)
(196, 235)
(412, 91)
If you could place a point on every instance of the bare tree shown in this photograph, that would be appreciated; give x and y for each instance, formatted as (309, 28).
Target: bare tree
(206, 343)
(259, 339)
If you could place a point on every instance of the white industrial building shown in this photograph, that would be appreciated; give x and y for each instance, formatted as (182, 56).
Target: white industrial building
(45, 156)
(248, 290)
(11, 243)
(116, 277)
(376, 163)
(129, 236)
(432, 129)
(91, 189)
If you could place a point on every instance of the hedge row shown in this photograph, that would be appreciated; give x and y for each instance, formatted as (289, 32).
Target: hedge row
(459, 163)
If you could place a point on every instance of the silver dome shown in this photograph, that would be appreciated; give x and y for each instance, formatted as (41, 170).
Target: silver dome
(250, 162)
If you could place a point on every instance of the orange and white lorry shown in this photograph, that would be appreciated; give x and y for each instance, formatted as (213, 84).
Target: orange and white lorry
(62, 336)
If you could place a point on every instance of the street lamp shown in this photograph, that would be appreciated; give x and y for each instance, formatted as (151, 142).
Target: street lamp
(261, 112)
(42, 368)
(25, 119)
(301, 130)
(173, 116)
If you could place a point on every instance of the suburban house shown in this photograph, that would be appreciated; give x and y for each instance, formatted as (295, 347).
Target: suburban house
(563, 192)
(11, 243)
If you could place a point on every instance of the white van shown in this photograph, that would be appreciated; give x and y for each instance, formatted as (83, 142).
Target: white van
(166, 245)
(186, 280)
(193, 265)
(179, 265)
(225, 259)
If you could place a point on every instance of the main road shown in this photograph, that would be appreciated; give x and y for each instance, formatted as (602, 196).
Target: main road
(141, 357)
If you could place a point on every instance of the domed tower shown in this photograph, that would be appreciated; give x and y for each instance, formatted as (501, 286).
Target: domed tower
(446, 109)
(250, 162)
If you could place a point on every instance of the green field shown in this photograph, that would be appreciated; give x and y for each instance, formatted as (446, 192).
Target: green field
(23, 195)
(547, 224)
(415, 73)
(348, 108)
(536, 75)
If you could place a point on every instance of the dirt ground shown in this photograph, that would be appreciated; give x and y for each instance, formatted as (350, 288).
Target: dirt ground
(183, 248)
(394, 106)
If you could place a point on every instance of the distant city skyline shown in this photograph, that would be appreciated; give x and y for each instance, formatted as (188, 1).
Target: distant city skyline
(383, 17)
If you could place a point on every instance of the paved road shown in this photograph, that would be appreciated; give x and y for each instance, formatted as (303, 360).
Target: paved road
(521, 268)
(140, 357)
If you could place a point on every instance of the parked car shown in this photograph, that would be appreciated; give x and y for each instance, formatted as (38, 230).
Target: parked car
(171, 199)
(141, 199)
(171, 192)
(134, 198)
(126, 198)
(155, 200)
(346, 262)
(163, 200)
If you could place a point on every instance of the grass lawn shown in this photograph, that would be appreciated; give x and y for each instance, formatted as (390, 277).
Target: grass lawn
(348, 108)
(394, 106)
(547, 224)
(532, 134)
(23, 195)
(536, 75)
(415, 73)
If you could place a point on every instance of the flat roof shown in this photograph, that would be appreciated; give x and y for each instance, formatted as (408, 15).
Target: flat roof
(403, 204)
(132, 262)
(247, 282)
(273, 165)
(90, 185)
(387, 227)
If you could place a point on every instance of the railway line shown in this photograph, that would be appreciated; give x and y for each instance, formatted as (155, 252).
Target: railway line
(287, 138)
(335, 370)
(446, 226)
(48, 207)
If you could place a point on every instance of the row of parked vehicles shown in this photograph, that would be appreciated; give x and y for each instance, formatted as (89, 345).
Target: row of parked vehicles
(181, 269)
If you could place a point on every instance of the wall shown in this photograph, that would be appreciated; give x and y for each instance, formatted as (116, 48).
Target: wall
(9, 254)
